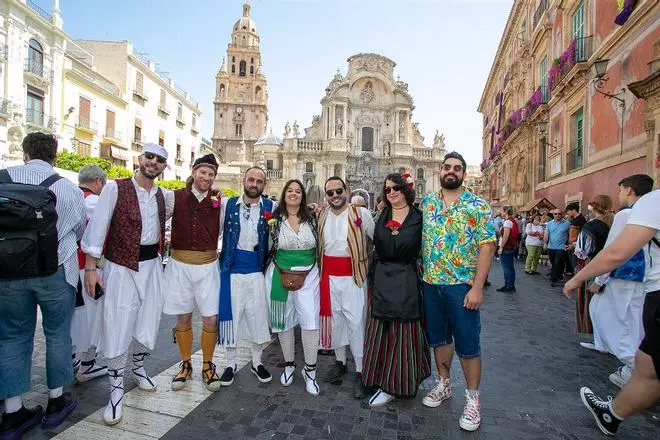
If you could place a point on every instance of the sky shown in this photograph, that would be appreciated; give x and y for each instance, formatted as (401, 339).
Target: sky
(444, 50)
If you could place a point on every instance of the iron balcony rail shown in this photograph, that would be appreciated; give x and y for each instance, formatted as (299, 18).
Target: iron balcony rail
(39, 118)
(543, 6)
(37, 68)
(574, 159)
(583, 51)
(4, 107)
(545, 94)
(87, 124)
(112, 133)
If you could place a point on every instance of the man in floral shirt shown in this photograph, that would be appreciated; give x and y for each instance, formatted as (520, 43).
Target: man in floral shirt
(458, 244)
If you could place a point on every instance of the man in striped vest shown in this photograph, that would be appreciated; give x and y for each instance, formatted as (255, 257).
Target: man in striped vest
(343, 232)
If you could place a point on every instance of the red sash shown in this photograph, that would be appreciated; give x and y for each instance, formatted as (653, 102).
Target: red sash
(332, 266)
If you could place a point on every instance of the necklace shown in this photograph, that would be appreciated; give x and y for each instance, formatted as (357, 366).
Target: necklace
(398, 209)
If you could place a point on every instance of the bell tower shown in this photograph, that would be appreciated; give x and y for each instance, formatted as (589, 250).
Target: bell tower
(241, 94)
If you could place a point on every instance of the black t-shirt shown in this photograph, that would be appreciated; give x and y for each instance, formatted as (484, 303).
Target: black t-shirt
(579, 221)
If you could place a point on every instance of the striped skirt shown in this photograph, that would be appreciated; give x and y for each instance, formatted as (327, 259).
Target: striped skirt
(582, 315)
(396, 356)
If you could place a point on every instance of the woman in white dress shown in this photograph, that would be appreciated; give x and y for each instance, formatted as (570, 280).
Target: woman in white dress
(294, 254)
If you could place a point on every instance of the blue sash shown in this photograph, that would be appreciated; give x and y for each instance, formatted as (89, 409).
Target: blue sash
(244, 262)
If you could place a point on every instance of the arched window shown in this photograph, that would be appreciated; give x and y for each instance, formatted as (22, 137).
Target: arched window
(251, 70)
(257, 92)
(420, 173)
(309, 167)
(233, 68)
(241, 68)
(35, 57)
(222, 89)
(233, 59)
(367, 139)
(251, 60)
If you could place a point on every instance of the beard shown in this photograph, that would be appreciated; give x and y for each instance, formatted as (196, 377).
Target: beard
(450, 184)
(149, 173)
(252, 193)
(338, 203)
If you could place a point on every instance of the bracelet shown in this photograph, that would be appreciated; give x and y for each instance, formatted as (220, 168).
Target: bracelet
(90, 270)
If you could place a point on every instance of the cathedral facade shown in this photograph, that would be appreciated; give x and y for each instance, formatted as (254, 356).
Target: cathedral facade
(241, 94)
(364, 131)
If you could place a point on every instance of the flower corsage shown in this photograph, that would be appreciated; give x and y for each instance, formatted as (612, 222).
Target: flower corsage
(393, 226)
(215, 202)
(269, 219)
(358, 222)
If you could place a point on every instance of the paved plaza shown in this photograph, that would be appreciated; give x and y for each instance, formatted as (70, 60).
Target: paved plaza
(533, 368)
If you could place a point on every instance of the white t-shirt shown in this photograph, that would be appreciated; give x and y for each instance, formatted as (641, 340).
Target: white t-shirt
(646, 212)
(531, 240)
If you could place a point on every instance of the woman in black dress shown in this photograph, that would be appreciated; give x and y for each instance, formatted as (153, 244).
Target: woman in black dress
(396, 356)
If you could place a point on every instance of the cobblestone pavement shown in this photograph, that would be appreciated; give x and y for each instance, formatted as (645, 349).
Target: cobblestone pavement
(533, 368)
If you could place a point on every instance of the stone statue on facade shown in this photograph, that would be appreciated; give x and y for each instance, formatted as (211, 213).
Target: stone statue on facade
(287, 130)
(14, 145)
(339, 128)
(296, 129)
(402, 130)
(367, 94)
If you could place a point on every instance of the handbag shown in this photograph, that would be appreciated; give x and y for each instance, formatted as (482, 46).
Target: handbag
(292, 280)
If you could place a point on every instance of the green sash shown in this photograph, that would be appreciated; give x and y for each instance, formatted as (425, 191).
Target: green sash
(285, 259)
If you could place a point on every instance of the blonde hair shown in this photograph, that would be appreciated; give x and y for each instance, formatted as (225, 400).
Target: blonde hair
(602, 204)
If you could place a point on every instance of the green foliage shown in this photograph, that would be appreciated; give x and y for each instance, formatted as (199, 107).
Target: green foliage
(229, 192)
(74, 162)
(172, 184)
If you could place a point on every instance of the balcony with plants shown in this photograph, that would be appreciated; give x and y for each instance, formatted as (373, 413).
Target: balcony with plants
(578, 51)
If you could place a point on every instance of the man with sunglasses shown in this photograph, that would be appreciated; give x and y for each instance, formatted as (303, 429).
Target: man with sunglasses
(555, 238)
(343, 232)
(243, 311)
(128, 229)
(458, 244)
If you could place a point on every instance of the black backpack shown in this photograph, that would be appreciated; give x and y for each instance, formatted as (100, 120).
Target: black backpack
(28, 228)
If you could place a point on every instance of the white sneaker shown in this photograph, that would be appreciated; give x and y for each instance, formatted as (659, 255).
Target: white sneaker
(618, 377)
(380, 398)
(439, 394)
(591, 346)
(89, 370)
(471, 418)
(114, 411)
(310, 381)
(286, 378)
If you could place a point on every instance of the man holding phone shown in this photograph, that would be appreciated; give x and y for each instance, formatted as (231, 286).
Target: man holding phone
(128, 228)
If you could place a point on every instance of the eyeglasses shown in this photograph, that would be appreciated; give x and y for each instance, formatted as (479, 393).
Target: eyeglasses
(456, 168)
(150, 156)
(331, 192)
(246, 211)
(396, 188)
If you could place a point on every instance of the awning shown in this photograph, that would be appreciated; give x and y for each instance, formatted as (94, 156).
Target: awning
(541, 203)
(118, 153)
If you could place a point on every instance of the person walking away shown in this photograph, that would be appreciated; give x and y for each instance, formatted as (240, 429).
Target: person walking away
(534, 243)
(591, 240)
(508, 249)
(44, 274)
(458, 244)
(643, 389)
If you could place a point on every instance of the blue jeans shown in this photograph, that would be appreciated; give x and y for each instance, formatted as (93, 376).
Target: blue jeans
(446, 317)
(507, 267)
(18, 319)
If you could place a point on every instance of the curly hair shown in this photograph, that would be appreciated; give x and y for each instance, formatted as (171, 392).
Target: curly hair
(303, 212)
(397, 179)
(40, 146)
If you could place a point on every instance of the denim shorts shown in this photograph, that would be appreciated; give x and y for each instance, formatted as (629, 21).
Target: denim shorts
(447, 321)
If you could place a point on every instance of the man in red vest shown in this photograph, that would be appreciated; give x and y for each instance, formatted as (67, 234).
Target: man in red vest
(192, 275)
(128, 228)
(86, 321)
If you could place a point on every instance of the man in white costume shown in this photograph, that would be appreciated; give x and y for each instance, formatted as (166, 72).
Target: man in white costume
(128, 228)
(616, 314)
(243, 310)
(343, 233)
(192, 275)
(88, 316)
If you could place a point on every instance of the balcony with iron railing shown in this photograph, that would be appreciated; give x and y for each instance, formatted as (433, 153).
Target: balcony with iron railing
(39, 10)
(577, 53)
(39, 119)
(112, 134)
(542, 7)
(574, 159)
(86, 124)
(37, 68)
(273, 174)
(4, 53)
(163, 112)
(136, 145)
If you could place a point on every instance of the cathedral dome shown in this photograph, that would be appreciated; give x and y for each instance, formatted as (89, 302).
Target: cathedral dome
(269, 139)
(245, 24)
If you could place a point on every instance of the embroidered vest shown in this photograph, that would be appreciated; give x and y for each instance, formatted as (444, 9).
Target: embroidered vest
(232, 232)
(195, 225)
(125, 232)
(357, 243)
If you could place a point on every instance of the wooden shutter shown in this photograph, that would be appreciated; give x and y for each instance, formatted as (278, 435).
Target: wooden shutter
(85, 108)
(110, 121)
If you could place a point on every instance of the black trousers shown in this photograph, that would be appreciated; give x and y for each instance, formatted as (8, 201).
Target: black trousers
(558, 262)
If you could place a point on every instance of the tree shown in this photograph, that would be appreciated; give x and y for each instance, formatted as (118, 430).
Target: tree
(172, 184)
(74, 162)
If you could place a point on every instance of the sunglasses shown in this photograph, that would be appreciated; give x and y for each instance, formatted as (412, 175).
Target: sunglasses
(396, 188)
(556, 213)
(331, 192)
(456, 168)
(151, 156)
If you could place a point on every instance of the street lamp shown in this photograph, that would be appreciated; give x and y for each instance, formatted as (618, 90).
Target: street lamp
(543, 129)
(599, 69)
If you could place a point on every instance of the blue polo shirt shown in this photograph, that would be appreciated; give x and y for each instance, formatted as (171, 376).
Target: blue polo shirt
(557, 234)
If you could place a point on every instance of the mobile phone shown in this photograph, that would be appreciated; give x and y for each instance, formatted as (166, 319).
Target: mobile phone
(98, 292)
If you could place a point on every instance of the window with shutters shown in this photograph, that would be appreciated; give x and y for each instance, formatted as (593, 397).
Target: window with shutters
(138, 93)
(35, 63)
(309, 167)
(84, 111)
(239, 130)
(110, 124)
(161, 138)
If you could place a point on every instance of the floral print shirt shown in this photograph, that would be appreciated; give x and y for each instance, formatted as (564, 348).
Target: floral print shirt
(451, 237)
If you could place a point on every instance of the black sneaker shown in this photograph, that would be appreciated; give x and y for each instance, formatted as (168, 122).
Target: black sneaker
(358, 387)
(58, 410)
(600, 409)
(227, 377)
(14, 425)
(335, 375)
(506, 289)
(262, 374)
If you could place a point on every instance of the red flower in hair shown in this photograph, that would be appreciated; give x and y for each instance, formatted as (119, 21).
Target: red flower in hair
(410, 182)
